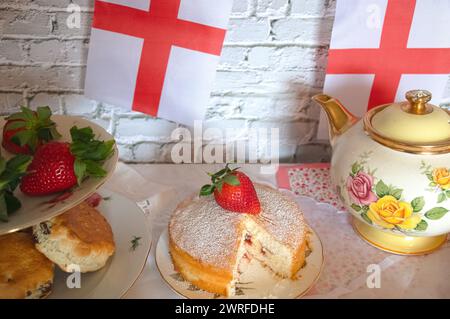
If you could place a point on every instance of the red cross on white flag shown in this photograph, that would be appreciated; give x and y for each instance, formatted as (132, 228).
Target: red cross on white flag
(157, 57)
(382, 48)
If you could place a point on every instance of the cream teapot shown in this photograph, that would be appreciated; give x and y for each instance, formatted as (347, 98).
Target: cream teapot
(392, 171)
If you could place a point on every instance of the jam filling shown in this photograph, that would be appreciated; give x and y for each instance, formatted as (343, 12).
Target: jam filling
(248, 239)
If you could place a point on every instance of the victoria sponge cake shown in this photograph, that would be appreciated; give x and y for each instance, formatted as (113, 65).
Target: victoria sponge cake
(24, 271)
(81, 236)
(207, 243)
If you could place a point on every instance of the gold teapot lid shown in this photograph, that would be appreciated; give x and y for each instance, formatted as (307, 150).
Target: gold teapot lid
(413, 126)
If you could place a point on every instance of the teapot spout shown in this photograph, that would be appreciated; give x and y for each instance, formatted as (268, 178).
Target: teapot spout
(339, 118)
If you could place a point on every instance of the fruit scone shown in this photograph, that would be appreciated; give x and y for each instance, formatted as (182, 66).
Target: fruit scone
(24, 271)
(80, 236)
(211, 237)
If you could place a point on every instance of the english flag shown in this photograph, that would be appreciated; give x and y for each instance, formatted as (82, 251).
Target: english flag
(382, 48)
(157, 57)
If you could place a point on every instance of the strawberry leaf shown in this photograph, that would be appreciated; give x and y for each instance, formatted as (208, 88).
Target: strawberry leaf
(3, 208)
(43, 113)
(84, 134)
(28, 113)
(2, 165)
(94, 169)
(219, 186)
(18, 163)
(21, 138)
(15, 125)
(80, 169)
(224, 175)
(232, 180)
(90, 153)
(10, 174)
(206, 190)
(12, 203)
(34, 126)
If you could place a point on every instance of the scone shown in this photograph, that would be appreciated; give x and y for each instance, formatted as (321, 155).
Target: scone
(209, 244)
(79, 237)
(24, 271)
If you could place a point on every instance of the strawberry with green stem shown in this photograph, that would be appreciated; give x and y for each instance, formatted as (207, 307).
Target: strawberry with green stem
(59, 166)
(233, 191)
(26, 130)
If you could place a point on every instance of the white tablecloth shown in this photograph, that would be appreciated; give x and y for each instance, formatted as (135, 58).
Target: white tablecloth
(347, 257)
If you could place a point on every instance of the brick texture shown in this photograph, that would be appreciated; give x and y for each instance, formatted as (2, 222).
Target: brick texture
(273, 61)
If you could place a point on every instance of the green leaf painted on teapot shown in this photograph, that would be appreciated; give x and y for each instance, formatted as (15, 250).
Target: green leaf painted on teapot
(381, 189)
(441, 197)
(418, 203)
(421, 226)
(366, 218)
(436, 213)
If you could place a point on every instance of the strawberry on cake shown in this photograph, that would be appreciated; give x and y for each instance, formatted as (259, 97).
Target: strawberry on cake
(210, 237)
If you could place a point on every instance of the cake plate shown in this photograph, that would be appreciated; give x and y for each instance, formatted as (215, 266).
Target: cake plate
(255, 282)
(35, 210)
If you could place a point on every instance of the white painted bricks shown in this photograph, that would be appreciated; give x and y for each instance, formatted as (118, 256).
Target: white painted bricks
(273, 61)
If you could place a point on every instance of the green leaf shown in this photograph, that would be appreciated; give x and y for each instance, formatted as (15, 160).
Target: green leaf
(43, 112)
(206, 190)
(2, 165)
(54, 132)
(418, 203)
(447, 192)
(441, 197)
(12, 203)
(80, 169)
(3, 208)
(356, 207)
(94, 169)
(381, 189)
(90, 153)
(219, 186)
(21, 138)
(436, 213)
(17, 116)
(422, 225)
(366, 218)
(16, 125)
(232, 180)
(430, 176)
(84, 134)
(356, 168)
(396, 192)
(19, 163)
(28, 113)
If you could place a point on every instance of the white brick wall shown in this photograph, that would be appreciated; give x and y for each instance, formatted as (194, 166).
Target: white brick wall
(273, 61)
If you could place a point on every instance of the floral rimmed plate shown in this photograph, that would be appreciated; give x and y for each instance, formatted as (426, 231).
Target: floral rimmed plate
(133, 242)
(38, 209)
(255, 282)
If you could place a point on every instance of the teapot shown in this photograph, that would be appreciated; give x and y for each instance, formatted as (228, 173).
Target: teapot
(391, 170)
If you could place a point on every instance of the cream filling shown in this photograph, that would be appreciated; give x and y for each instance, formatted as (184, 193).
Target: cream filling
(258, 244)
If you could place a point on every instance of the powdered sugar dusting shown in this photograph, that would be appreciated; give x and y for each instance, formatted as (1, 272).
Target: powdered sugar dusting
(280, 216)
(207, 232)
(211, 234)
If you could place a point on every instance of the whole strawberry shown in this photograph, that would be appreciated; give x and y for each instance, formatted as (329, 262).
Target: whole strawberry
(26, 130)
(233, 191)
(59, 166)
